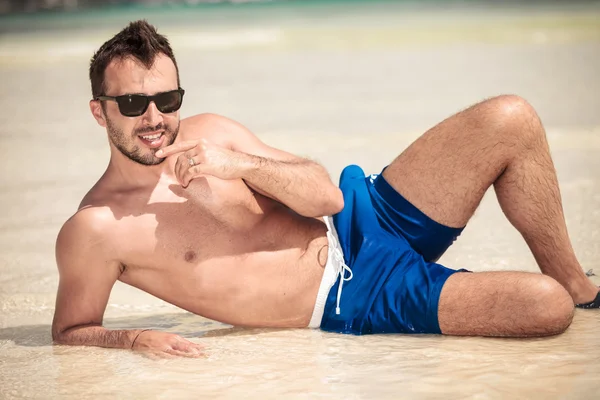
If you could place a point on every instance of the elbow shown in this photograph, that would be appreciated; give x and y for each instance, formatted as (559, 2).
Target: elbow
(61, 335)
(332, 204)
(58, 337)
(337, 201)
(59, 341)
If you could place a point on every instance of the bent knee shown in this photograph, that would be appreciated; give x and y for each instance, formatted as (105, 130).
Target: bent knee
(513, 114)
(553, 306)
(510, 106)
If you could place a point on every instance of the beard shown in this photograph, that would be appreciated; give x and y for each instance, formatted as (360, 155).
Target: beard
(126, 145)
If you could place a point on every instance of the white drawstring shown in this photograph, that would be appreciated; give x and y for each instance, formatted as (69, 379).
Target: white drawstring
(340, 268)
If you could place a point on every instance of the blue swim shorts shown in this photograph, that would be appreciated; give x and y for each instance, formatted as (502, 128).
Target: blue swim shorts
(390, 247)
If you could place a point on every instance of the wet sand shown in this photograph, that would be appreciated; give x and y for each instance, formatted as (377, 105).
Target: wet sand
(350, 88)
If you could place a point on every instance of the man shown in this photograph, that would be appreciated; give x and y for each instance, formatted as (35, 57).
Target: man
(202, 214)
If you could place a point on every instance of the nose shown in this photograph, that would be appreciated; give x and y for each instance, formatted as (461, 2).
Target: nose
(152, 116)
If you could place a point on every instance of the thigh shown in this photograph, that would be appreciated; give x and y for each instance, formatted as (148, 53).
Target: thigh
(503, 303)
(446, 172)
(400, 218)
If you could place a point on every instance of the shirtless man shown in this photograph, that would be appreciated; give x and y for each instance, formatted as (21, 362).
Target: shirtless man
(203, 215)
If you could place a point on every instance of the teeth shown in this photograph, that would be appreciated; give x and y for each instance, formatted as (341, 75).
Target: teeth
(152, 137)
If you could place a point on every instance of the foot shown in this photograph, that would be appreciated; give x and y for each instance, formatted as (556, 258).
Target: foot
(592, 304)
(583, 293)
(583, 290)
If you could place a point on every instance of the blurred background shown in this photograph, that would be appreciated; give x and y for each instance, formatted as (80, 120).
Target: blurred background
(341, 82)
(16, 6)
(320, 67)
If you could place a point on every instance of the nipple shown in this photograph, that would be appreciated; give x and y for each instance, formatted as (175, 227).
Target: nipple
(190, 256)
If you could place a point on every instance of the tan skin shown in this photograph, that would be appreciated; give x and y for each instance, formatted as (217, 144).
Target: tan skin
(237, 237)
(216, 247)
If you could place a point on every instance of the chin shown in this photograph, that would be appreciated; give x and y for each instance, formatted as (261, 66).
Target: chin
(152, 161)
(148, 160)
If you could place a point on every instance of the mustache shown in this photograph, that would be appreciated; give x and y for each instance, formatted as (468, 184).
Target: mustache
(158, 127)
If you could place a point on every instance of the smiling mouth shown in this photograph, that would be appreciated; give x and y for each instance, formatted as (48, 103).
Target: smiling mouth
(152, 137)
(152, 140)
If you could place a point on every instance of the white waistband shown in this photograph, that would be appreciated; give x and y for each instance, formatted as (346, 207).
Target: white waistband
(335, 266)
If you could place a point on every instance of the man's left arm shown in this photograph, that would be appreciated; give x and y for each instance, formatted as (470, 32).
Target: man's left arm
(301, 184)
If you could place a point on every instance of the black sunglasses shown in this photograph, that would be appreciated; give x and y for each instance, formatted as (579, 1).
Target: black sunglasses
(134, 105)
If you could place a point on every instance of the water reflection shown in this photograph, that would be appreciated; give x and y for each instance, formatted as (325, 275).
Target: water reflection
(259, 363)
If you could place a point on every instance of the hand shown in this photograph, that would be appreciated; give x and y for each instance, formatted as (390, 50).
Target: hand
(164, 344)
(199, 158)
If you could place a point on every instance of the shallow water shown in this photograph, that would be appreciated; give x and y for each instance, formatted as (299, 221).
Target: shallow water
(339, 92)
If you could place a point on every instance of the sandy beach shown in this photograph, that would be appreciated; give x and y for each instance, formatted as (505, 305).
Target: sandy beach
(342, 85)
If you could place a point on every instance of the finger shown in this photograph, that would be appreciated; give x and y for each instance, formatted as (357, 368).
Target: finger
(196, 348)
(181, 353)
(191, 173)
(191, 153)
(183, 165)
(176, 148)
(188, 346)
(187, 342)
(188, 349)
(195, 351)
(200, 351)
(181, 339)
(199, 346)
(180, 167)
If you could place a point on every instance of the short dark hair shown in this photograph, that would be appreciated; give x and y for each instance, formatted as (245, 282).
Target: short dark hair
(139, 40)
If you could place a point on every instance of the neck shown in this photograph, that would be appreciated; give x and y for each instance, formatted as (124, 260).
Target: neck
(133, 174)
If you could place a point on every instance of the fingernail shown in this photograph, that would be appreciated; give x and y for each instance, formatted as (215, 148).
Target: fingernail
(159, 153)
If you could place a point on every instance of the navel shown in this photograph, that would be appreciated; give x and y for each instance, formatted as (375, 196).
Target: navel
(190, 256)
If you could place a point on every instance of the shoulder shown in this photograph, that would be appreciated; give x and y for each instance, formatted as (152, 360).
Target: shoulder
(87, 233)
(93, 217)
(210, 120)
(216, 128)
(230, 134)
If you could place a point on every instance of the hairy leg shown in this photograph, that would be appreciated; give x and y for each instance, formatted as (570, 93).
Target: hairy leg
(508, 304)
(499, 142)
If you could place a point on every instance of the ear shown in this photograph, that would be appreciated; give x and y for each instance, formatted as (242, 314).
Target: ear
(98, 112)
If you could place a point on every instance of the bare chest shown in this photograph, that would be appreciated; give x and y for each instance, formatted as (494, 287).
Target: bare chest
(216, 248)
(209, 219)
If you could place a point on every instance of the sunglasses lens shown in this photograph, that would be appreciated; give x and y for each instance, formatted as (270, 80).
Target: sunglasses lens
(132, 105)
(169, 102)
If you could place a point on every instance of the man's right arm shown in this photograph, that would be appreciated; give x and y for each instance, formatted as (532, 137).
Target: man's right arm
(88, 271)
